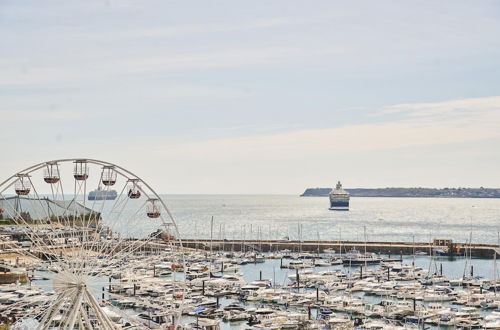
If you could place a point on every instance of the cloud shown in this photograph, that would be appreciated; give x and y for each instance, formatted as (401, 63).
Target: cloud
(260, 56)
(458, 149)
(40, 115)
(198, 29)
(459, 121)
(461, 108)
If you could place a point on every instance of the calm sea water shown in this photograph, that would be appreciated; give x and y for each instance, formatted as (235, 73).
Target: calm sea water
(385, 219)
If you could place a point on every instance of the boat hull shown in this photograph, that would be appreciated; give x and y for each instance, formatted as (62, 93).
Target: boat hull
(360, 262)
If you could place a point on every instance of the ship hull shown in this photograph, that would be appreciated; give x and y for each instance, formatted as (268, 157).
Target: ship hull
(339, 206)
(102, 195)
(101, 198)
(339, 209)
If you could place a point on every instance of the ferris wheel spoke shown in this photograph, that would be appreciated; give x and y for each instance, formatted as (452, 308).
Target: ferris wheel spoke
(53, 309)
(65, 217)
(36, 240)
(125, 223)
(113, 223)
(48, 217)
(25, 253)
(101, 316)
(142, 301)
(105, 248)
(5, 309)
(37, 313)
(108, 178)
(121, 253)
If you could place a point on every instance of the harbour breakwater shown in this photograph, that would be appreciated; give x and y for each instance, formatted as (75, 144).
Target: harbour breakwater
(387, 248)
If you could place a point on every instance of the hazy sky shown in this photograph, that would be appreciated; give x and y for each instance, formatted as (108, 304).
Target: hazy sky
(256, 96)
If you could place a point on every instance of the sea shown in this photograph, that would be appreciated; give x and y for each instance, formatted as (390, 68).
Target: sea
(308, 218)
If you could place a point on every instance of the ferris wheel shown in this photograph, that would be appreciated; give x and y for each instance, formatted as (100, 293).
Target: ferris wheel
(101, 249)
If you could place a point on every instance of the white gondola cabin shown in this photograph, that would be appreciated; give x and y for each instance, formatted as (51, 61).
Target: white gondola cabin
(108, 176)
(81, 171)
(51, 174)
(153, 209)
(22, 186)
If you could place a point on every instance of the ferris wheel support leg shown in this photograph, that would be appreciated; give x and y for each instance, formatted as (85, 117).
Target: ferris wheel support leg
(75, 309)
(101, 316)
(47, 319)
(87, 323)
(80, 324)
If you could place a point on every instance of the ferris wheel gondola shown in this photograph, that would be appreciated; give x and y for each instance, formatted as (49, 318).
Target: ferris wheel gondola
(22, 186)
(81, 171)
(153, 209)
(108, 176)
(134, 191)
(51, 174)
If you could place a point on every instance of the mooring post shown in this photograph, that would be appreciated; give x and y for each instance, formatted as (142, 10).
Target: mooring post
(217, 301)
(414, 304)
(260, 275)
(203, 287)
(388, 274)
(361, 272)
(281, 262)
(401, 255)
(471, 270)
(222, 268)
(154, 270)
(308, 312)
(317, 293)
(103, 294)
(135, 288)
(109, 288)
(441, 269)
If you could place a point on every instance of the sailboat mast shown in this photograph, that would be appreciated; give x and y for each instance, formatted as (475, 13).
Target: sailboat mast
(364, 233)
(211, 234)
(413, 263)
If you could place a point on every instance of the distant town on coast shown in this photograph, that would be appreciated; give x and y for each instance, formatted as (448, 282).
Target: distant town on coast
(410, 192)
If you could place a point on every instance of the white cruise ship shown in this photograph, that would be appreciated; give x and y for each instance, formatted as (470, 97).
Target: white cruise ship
(100, 194)
(339, 199)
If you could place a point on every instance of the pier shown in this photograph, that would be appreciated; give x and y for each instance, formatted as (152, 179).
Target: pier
(389, 248)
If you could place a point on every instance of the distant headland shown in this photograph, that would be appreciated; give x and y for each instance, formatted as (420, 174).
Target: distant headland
(410, 192)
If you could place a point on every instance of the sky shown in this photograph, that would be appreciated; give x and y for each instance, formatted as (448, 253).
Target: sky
(256, 96)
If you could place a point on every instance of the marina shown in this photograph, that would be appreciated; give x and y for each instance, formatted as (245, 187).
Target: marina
(240, 290)
(122, 263)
